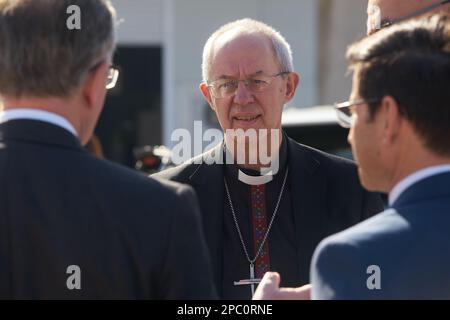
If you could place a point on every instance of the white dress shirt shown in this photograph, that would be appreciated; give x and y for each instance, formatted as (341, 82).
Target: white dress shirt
(414, 178)
(39, 115)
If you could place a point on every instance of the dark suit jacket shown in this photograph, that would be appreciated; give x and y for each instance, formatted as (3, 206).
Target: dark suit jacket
(132, 237)
(409, 244)
(326, 193)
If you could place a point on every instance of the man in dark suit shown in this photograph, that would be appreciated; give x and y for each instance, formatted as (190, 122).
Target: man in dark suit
(73, 226)
(400, 120)
(258, 222)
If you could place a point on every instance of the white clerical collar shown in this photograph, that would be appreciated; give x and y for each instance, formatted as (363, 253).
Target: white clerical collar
(414, 178)
(39, 115)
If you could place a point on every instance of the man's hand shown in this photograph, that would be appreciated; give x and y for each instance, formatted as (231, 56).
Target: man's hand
(269, 289)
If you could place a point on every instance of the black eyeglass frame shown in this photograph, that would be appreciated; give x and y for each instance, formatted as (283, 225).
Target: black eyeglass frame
(343, 110)
(113, 70)
(214, 89)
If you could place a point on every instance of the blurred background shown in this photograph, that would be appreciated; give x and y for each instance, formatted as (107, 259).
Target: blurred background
(160, 44)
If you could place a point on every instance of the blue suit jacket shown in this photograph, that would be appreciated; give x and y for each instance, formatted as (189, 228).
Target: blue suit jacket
(409, 243)
(321, 207)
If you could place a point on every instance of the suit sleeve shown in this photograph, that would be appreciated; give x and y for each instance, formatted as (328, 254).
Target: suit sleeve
(187, 270)
(338, 272)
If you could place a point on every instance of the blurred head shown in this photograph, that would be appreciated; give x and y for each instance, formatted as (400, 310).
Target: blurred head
(41, 58)
(401, 82)
(386, 12)
(248, 75)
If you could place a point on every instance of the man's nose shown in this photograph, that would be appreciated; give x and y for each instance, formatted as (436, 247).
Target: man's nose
(243, 95)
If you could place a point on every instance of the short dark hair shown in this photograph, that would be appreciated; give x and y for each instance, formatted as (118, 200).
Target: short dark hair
(411, 63)
(40, 56)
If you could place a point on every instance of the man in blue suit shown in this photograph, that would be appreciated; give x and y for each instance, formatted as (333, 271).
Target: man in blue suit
(399, 116)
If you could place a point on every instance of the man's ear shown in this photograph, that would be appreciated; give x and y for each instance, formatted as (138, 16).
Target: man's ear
(205, 92)
(94, 86)
(293, 79)
(391, 120)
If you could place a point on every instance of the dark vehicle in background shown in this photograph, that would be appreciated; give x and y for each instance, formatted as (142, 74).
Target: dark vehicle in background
(152, 159)
(317, 127)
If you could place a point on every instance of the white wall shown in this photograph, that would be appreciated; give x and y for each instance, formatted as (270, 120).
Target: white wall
(142, 21)
(341, 23)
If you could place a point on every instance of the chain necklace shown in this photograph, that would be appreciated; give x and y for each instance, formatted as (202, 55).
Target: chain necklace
(252, 281)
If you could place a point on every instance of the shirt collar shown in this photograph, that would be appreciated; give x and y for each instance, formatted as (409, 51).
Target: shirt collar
(413, 179)
(232, 170)
(39, 115)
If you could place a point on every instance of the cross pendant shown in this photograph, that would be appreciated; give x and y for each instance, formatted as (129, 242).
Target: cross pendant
(252, 281)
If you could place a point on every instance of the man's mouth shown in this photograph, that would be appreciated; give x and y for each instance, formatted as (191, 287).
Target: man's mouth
(246, 118)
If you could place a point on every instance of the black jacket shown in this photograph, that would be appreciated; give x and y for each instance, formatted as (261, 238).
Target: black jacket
(132, 237)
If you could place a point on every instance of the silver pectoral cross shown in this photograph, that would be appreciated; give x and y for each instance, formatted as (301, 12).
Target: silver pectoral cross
(252, 281)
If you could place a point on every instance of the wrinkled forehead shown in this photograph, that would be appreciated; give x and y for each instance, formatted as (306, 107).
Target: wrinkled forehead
(381, 11)
(373, 16)
(237, 54)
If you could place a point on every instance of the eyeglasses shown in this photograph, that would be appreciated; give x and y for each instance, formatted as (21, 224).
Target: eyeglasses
(224, 88)
(344, 111)
(387, 22)
(111, 79)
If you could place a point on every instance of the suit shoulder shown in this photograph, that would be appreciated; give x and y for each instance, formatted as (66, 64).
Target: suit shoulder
(321, 156)
(183, 172)
(341, 262)
(370, 235)
(328, 159)
(336, 167)
(180, 173)
(133, 183)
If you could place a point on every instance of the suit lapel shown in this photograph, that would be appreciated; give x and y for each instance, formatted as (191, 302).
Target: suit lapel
(308, 188)
(207, 180)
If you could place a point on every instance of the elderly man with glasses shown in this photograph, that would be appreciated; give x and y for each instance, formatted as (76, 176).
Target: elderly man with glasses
(257, 220)
(400, 122)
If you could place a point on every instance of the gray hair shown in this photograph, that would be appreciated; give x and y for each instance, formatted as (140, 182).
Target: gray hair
(40, 56)
(281, 47)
